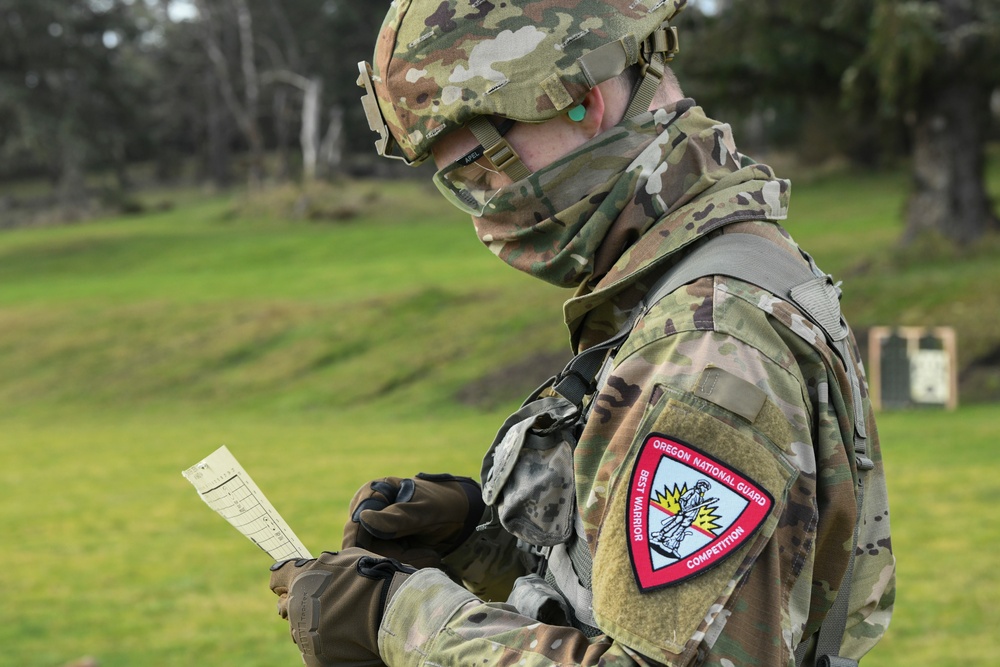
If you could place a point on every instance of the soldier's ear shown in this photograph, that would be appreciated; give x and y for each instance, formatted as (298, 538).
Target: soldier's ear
(595, 114)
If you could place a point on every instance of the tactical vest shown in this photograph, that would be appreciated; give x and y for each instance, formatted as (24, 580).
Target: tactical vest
(527, 474)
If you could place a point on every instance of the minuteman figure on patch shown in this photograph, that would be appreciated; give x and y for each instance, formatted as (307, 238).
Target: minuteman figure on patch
(667, 540)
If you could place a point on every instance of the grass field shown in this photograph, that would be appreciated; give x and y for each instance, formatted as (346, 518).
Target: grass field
(326, 354)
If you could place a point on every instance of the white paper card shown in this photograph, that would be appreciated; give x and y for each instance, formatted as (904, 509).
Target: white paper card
(227, 488)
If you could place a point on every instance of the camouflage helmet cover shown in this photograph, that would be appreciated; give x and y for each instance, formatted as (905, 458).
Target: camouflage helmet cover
(440, 63)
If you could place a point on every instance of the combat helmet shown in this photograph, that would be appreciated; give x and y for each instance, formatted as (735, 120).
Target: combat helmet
(444, 64)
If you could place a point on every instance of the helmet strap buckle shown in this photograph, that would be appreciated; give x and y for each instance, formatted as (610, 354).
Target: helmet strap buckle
(665, 41)
(497, 150)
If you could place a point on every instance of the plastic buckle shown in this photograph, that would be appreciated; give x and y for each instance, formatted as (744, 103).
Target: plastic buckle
(664, 40)
(835, 661)
(653, 66)
(541, 552)
(501, 154)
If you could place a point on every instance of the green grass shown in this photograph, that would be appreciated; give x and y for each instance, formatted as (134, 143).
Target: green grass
(944, 486)
(192, 306)
(324, 354)
(110, 553)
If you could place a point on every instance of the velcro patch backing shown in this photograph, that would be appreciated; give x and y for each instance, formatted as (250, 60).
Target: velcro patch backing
(556, 90)
(657, 612)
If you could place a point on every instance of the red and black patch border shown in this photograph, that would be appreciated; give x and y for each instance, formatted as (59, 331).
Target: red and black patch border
(628, 511)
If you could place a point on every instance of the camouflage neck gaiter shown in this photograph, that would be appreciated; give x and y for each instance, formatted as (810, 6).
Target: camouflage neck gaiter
(569, 222)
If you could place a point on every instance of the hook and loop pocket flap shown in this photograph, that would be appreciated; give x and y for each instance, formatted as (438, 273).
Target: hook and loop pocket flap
(528, 471)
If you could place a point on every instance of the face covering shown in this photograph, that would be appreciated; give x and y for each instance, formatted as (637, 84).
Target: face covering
(571, 221)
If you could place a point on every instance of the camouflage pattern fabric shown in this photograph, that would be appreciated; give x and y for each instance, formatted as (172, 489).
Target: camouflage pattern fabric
(489, 563)
(570, 221)
(769, 596)
(440, 63)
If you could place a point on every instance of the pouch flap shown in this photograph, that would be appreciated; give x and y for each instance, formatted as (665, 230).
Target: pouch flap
(542, 416)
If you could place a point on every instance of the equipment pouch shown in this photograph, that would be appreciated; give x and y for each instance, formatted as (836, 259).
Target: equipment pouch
(536, 598)
(527, 473)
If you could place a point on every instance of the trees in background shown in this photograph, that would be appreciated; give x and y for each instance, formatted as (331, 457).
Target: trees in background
(873, 77)
(776, 68)
(70, 89)
(236, 73)
(936, 63)
(99, 83)
(287, 65)
(266, 88)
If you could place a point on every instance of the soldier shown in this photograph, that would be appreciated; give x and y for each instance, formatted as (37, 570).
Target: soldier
(557, 125)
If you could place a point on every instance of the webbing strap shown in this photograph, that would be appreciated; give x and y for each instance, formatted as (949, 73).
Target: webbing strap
(831, 632)
(563, 575)
(497, 149)
(608, 61)
(651, 78)
(760, 262)
(750, 258)
(747, 257)
(577, 379)
(657, 50)
(755, 260)
(569, 570)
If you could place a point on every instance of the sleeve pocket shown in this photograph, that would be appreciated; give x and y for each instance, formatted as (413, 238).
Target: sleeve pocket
(698, 497)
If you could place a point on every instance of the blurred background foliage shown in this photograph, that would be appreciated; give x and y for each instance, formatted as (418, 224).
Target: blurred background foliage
(101, 97)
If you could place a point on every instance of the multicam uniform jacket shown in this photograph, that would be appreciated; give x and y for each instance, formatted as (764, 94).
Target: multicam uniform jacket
(715, 476)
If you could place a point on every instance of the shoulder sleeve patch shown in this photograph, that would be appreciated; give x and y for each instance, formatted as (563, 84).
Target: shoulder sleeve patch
(687, 512)
(685, 522)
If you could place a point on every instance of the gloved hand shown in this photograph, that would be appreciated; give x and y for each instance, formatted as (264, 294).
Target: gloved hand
(334, 604)
(416, 521)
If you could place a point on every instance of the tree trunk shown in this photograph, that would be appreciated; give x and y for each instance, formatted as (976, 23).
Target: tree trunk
(331, 151)
(246, 113)
(280, 111)
(72, 189)
(120, 161)
(217, 128)
(251, 93)
(949, 195)
(309, 133)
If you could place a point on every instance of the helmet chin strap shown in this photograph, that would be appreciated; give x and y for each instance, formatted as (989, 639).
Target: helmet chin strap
(497, 150)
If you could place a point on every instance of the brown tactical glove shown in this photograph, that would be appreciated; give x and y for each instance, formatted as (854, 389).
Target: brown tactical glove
(334, 604)
(416, 521)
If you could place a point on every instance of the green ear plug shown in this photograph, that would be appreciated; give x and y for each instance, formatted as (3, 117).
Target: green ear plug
(578, 113)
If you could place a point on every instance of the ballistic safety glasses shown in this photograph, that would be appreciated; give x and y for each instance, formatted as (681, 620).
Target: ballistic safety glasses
(472, 181)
